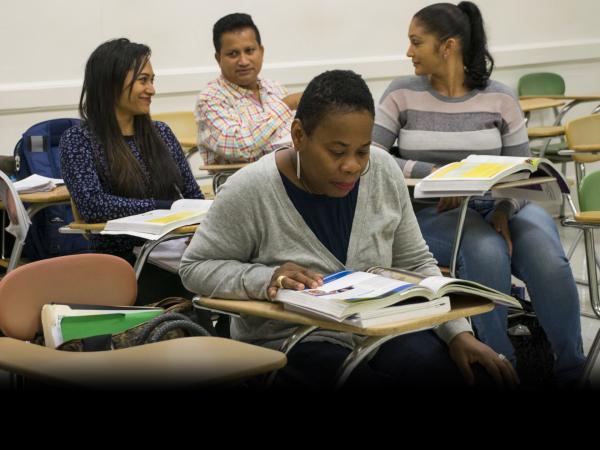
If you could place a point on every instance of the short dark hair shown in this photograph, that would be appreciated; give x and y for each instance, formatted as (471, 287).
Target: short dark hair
(333, 91)
(465, 22)
(233, 22)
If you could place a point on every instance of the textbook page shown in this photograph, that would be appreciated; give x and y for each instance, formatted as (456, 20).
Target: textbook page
(192, 204)
(166, 255)
(154, 224)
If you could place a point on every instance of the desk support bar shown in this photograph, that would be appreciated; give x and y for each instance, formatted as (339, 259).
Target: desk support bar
(457, 238)
(149, 246)
(300, 333)
(15, 255)
(360, 352)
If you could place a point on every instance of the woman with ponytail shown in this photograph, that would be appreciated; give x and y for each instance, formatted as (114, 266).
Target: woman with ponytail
(452, 109)
(119, 162)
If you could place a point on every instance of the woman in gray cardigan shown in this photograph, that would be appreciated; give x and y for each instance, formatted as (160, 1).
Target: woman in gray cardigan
(327, 204)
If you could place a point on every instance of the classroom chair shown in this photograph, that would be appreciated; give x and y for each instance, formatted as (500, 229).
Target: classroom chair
(541, 84)
(184, 127)
(583, 138)
(220, 173)
(108, 280)
(587, 220)
(18, 221)
(83, 279)
(80, 226)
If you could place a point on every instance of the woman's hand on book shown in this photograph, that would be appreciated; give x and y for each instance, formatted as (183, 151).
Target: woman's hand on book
(447, 203)
(293, 276)
(466, 350)
(499, 222)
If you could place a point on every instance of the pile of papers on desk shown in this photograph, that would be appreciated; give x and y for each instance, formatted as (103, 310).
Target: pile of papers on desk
(36, 183)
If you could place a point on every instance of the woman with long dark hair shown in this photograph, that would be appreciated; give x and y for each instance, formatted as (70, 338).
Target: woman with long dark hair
(452, 109)
(119, 162)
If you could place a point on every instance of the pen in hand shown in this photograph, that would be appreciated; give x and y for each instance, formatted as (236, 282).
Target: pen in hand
(178, 191)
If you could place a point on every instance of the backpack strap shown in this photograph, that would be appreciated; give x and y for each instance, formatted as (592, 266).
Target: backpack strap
(152, 332)
(97, 343)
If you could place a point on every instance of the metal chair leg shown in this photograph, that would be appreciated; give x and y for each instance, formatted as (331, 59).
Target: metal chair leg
(300, 333)
(590, 257)
(590, 361)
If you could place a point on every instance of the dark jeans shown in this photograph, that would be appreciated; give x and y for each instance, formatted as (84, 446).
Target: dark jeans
(415, 360)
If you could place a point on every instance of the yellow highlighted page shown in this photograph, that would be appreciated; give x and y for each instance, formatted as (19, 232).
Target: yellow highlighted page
(463, 170)
(174, 217)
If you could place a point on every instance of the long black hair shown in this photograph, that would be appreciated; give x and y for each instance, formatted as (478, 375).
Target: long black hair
(463, 21)
(105, 74)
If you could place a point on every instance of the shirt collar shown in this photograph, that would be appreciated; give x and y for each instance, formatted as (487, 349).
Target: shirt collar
(241, 90)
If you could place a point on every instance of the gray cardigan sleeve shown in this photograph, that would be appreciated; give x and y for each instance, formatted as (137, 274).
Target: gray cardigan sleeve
(213, 262)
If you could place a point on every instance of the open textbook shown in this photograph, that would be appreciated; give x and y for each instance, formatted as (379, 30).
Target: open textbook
(37, 183)
(382, 296)
(476, 175)
(154, 224)
(62, 323)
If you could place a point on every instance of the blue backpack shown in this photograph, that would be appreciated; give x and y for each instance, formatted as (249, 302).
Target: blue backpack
(37, 152)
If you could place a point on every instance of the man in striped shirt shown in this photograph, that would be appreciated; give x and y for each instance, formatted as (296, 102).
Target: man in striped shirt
(240, 116)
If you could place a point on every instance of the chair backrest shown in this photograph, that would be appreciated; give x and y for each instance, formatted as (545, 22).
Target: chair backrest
(92, 279)
(182, 124)
(589, 192)
(7, 165)
(542, 83)
(584, 131)
(76, 216)
(17, 215)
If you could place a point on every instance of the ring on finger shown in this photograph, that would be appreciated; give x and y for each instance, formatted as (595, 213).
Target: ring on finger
(279, 281)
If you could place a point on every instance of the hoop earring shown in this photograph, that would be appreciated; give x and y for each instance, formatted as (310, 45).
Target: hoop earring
(367, 169)
(298, 165)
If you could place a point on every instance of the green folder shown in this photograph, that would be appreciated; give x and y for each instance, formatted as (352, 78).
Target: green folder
(77, 327)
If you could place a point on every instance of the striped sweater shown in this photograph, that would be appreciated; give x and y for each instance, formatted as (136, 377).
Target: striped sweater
(434, 130)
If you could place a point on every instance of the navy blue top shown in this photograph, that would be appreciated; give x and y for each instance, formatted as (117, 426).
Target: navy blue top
(329, 218)
(92, 193)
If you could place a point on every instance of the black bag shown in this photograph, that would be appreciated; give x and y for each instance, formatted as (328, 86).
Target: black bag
(177, 320)
(535, 359)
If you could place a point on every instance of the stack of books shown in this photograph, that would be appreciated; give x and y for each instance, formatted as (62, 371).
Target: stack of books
(368, 299)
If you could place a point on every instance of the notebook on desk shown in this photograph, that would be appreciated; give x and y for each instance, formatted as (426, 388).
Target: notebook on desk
(62, 322)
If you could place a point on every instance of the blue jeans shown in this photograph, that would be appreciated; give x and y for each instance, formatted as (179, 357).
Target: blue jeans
(538, 260)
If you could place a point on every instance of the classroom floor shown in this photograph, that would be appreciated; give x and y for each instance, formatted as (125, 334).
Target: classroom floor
(589, 322)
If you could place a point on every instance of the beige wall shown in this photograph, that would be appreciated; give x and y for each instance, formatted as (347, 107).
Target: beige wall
(44, 45)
